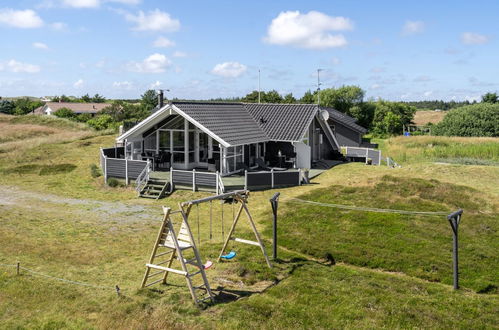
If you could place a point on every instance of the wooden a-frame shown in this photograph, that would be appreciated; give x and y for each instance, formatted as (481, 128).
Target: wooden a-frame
(242, 199)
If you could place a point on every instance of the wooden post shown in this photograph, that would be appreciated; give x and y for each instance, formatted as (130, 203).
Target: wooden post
(245, 179)
(105, 170)
(217, 183)
(274, 202)
(454, 220)
(194, 180)
(126, 171)
(18, 268)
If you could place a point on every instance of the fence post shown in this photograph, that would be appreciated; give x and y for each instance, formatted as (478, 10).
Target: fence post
(171, 176)
(218, 178)
(194, 180)
(379, 159)
(18, 268)
(105, 170)
(272, 178)
(245, 179)
(454, 220)
(126, 171)
(299, 176)
(274, 202)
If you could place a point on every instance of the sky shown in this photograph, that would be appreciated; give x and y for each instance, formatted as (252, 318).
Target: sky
(395, 50)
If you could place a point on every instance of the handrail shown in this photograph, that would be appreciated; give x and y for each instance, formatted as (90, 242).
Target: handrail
(220, 182)
(142, 179)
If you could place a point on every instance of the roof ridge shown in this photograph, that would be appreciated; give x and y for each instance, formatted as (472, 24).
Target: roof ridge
(278, 103)
(206, 102)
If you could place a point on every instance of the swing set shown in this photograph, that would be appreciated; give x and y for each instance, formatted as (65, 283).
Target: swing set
(180, 245)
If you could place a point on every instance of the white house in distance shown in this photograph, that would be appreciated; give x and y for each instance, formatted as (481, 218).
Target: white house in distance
(78, 108)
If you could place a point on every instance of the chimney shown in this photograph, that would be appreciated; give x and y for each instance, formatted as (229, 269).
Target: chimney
(160, 99)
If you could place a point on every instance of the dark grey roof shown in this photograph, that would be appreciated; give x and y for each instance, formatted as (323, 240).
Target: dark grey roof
(229, 121)
(282, 122)
(344, 119)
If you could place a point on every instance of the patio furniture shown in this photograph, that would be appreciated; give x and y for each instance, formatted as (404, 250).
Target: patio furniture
(261, 165)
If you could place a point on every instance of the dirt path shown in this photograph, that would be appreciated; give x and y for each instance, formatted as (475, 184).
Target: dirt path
(117, 211)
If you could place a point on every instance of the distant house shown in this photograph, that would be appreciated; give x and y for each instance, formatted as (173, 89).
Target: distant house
(78, 108)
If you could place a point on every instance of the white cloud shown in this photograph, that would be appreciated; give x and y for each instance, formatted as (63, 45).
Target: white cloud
(335, 61)
(126, 85)
(78, 83)
(15, 66)
(162, 42)
(59, 26)
(155, 63)
(229, 69)
(375, 86)
(413, 27)
(470, 38)
(427, 93)
(155, 85)
(40, 45)
(155, 20)
(309, 30)
(81, 3)
(179, 54)
(24, 19)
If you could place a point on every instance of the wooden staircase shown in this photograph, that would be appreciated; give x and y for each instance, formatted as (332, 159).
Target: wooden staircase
(156, 189)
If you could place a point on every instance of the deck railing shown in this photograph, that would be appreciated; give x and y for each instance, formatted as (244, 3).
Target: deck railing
(367, 153)
(266, 179)
(143, 177)
(197, 179)
(121, 168)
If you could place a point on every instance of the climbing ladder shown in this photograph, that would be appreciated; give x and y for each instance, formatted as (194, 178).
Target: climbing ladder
(172, 246)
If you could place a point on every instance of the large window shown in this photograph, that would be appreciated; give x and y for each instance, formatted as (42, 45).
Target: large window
(232, 159)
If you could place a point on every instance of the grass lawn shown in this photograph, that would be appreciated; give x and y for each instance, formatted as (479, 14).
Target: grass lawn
(391, 271)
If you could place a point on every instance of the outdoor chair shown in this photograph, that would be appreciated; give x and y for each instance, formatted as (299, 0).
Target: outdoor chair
(261, 165)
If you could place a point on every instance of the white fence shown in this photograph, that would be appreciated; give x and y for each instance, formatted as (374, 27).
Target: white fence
(367, 153)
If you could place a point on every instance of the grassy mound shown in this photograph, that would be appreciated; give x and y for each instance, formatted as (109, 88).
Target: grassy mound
(416, 245)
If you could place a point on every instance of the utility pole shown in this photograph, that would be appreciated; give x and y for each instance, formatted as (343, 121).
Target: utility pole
(258, 86)
(319, 87)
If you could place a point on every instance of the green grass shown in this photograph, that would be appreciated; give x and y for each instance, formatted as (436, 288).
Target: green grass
(59, 219)
(416, 245)
(481, 151)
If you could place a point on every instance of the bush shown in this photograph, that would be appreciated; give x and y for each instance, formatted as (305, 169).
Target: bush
(101, 122)
(95, 171)
(474, 120)
(112, 182)
(64, 113)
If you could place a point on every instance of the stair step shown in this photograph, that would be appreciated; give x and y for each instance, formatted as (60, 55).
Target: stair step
(148, 196)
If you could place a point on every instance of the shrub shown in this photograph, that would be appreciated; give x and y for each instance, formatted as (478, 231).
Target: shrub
(64, 113)
(95, 171)
(112, 182)
(101, 122)
(474, 120)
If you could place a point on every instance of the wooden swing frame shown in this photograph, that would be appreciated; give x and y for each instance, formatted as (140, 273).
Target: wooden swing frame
(240, 196)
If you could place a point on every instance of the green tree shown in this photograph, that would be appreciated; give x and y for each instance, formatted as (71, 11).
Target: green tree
(272, 97)
(289, 98)
(7, 107)
(481, 119)
(102, 122)
(490, 98)
(64, 98)
(149, 99)
(83, 117)
(64, 113)
(24, 106)
(341, 99)
(121, 111)
(98, 98)
(86, 98)
(308, 98)
(363, 113)
(389, 117)
(253, 97)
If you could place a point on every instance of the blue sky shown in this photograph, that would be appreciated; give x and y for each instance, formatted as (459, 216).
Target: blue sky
(206, 49)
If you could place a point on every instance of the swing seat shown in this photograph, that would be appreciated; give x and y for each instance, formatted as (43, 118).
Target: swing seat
(208, 264)
(229, 256)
